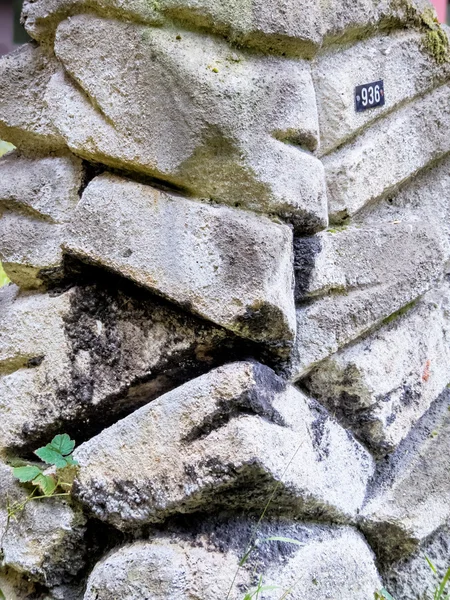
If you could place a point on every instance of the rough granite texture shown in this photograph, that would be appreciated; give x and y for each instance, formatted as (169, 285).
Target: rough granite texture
(232, 290)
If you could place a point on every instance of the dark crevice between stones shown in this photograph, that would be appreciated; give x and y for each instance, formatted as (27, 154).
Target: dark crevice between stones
(306, 250)
(192, 347)
(256, 401)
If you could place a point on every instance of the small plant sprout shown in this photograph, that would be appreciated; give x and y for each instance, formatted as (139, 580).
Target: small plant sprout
(57, 454)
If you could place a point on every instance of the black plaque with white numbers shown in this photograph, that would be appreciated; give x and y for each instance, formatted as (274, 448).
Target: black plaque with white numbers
(369, 95)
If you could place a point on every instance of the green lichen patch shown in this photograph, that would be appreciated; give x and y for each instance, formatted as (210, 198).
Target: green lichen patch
(437, 44)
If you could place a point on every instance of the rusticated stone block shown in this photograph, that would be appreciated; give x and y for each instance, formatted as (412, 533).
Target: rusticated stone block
(230, 136)
(413, 577)
(410, 497)
(204, 565)
(37, 199)
(45, 540)
(288, 27)
(381, 385)
(94, 350)
(229, 266)
(388, 154)
(354, 278)
(399, 59)
(24, 117)
(223, 440)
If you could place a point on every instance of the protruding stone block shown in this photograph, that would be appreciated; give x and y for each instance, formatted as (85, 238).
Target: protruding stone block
(37, 199)
(223, 440)
(204, 566)
(44, 541)
(355, 277)
(399, 59)
(229, 266)
(24, 116)
(235, 134)
(383, 384)
(388, 154)
(291, 27)
(65, 360)
(413, 577)
(410, 501)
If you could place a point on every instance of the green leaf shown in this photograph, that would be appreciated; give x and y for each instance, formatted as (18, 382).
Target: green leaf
(444, 582)
(63, 444)
(46, 483)
(25, 474)
(430, 564)
(71, 461)
(2, 595)
(51, 456)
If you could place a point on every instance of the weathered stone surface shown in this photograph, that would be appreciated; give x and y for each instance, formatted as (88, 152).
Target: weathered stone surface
(410, 498)
(24, 117)
(203, 566)
(95, 350)
(231, 135)
(291, 27)
(413, 579)
(381, 385)
(45, 541)
(229, 266)
(355, 278)
(388, 154)
(223, 439)
(400, 60)
(37, 198)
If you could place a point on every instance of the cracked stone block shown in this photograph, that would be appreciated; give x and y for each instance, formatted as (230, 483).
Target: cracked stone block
(388, 154)
(223, 440)
(44, 541)
(37, 199)
(381, 385)
(24, 116)
(227, 265)
(94, 350)
(409, 500)
(236, 133)
(399, 59)
(413, 578)
(353, 278)
(203, 565)
(290, 27)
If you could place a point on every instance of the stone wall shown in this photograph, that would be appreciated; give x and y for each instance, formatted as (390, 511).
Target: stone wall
(231, 289)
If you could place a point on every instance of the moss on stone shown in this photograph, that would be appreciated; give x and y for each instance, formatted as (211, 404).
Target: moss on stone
(437, 44)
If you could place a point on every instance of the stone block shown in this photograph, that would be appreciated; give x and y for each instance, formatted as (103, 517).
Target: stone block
(409, 500)
(290, 28)
(381, 385)
(44, 541)
(24, 117)
(235, 133)
(413, 577)
(93, 350)
(225, 264)
(223, 440)
(203, 566)
(353, 278)
(388, 154)
(399, 59)
(37, 199)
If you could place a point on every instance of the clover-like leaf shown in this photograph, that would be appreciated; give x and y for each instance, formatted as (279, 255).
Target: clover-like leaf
(62, 444)
(46, 483)
(25, 474)
(51, 456)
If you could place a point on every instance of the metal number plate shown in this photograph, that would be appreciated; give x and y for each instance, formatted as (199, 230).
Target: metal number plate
(369, 95)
